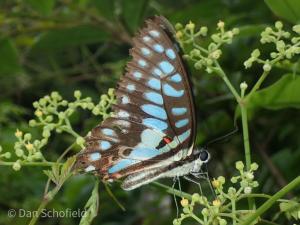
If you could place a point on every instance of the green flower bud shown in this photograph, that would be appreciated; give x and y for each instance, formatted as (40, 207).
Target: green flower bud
(49, 118)
(255, 184)
(279, 25)
(239, 165)
(209, 70)
(46, 133)
(267, 67)
(196, 197)
(254, 166)
(64, 103)
(16, 166)
(195, 52)
(244, 183)
(7, 155)
(232, 191)
(247, 190)
(27, 136)
(235, 31)
(222, 221)
(178, 26)
(42, 102)
(234, 180)
(248, 63)
(111, 92)
(38, 155)
(274, 55)
(203, 31)
(19, 152)
(255, 53)
(205, 212)
(104, 97)
(55, 95)
(96, 111)
(221, 179)
(216, 38)
(249, 175)
(190, 26)
(280, 45)
(77, 94)
(61, 115)
(243, 85)
(296, 28)
(35, 104)
(32, 123)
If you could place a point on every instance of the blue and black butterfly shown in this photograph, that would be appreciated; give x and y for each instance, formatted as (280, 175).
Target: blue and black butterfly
(152, 132)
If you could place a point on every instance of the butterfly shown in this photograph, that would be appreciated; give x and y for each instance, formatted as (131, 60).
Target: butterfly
(152, 131)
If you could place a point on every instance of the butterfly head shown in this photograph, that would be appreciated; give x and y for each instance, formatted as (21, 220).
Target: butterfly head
(201, 157)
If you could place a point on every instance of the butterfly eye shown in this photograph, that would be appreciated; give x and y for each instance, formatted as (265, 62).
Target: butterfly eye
(204, 156)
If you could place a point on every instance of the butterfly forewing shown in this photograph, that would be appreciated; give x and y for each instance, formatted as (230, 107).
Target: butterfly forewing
(154, 121)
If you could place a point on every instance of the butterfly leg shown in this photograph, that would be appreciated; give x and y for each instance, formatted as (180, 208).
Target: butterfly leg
(195, 182)
(204, 175)
(174, 196)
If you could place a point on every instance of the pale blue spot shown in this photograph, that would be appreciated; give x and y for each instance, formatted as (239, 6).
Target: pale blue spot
(145, 51)
(137, 75)
(166, 67)
(158, 48)
(95, 156)
(154, 33)
(123, 114)
(170, 91)
(155, 111)
(154, 83)
(89, 168)
(179, 111)
(146, 38)
(142, 63)
(121, 165)
(125, 100)
(155, 123)
(154, 97)
(182, 137)
(104, 145)
(130, 87)
(170, 53)
(108, 132)
(157, 72)
(176, 78)
(181, 123)
(143, 153)
(151, 138)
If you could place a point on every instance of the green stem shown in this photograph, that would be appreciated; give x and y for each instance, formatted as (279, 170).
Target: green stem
(245, 134)
(233, 211)
(257, 84)
(173, 191)
(268, 204)
(223, 75)
(29, 163)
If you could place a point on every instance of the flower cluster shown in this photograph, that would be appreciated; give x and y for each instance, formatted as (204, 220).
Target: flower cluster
(285, 44)
(52, 115)
(204, 57)
(222, 207)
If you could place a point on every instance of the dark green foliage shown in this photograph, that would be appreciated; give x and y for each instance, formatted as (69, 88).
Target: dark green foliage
(51, 45)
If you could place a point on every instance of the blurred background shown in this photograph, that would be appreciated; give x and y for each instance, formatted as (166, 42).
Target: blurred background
(65, 45)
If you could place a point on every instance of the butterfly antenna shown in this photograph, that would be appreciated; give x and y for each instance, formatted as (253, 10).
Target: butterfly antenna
(174, 196)
(223, 138)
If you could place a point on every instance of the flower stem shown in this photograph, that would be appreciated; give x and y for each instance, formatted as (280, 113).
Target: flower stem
(268, 204)
(245, 134)
(29, 163)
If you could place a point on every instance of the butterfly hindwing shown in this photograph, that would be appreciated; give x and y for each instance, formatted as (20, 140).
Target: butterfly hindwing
(154, 119)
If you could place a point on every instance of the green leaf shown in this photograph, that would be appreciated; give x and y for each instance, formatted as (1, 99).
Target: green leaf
(56, 40)
(133, 13)
(9, 62)
(105, 8)
(287, 9)
(43, 7)
(282, 94)
(291, 209)
(91, 207)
